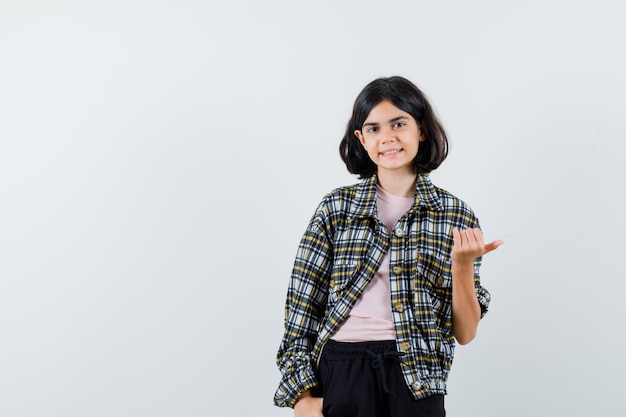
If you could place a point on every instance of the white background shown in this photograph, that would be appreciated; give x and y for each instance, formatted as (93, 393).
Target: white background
(159, 161)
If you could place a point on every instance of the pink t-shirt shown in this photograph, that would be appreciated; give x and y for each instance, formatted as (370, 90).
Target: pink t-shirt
(370, 318)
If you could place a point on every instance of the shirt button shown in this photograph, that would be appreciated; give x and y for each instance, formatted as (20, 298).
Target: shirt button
(416, 386)
(405, 346)
(396, 269)
(399, 232)
(399, 307)
(440, 282)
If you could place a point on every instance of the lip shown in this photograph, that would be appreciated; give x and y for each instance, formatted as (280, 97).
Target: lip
(390, 153)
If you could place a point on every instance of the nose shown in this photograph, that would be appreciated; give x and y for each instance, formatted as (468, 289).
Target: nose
(388, 135)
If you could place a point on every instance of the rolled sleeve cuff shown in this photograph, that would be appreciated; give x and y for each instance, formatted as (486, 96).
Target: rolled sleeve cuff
(292, 386)
(483, 299)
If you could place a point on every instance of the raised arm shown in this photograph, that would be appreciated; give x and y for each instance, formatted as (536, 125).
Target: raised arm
(468, 246)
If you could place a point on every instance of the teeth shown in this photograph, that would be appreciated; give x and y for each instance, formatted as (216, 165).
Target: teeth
(390, 152)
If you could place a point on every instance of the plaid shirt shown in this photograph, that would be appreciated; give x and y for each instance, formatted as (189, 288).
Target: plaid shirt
(340, 252)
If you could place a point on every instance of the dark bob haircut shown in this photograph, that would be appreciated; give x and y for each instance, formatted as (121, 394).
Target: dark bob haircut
(407, 97)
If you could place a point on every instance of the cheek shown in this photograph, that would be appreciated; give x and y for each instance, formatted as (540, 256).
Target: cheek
(364, 144)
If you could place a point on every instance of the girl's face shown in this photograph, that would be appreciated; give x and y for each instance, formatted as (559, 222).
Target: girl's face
(391, 138)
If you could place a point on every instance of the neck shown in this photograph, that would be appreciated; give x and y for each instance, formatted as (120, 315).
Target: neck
(401, 185)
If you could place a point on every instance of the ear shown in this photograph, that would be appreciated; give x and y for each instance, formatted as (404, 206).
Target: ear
(359, 135)
(420, 130)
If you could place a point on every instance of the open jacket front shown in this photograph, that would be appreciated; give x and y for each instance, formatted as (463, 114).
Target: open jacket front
(339, 254)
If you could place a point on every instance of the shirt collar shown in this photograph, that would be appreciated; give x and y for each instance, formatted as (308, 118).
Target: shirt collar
(425, 197)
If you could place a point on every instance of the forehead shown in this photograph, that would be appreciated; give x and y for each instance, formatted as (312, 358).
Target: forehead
(385, 111)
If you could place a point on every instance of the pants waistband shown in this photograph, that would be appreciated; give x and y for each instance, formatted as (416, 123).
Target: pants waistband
(357, 350)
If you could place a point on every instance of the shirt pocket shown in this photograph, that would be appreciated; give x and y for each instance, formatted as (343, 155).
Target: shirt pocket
(340, 278)
(434, 290)
(436, 270)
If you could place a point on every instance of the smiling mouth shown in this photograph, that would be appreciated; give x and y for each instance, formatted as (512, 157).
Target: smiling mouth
(391, 152)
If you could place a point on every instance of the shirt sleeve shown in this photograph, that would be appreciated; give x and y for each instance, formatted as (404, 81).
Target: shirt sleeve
(304, 310)
(482, 294)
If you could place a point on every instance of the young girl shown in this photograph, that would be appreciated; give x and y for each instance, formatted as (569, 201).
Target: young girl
(386, 276)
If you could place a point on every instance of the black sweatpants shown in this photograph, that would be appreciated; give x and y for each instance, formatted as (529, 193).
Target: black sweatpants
(364, 379)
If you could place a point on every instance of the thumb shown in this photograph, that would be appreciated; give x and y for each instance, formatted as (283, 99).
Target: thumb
(492, 246)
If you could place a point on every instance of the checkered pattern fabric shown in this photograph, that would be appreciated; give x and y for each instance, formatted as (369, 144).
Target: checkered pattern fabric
(341, 250)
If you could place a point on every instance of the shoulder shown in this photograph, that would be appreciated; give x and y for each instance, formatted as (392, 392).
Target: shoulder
(346, 192)
(456, 207)
(343, 202)
(341, 198)
(448, 199)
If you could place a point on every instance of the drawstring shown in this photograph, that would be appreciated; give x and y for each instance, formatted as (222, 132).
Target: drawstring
(378, 361)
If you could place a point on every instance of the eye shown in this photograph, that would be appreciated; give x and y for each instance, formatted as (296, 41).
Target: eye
(397, 125)
(372, 129)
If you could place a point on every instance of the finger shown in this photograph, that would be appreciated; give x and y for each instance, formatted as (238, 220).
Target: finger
(493, 245)
(476, 236)
(464, 238)
(456, 235)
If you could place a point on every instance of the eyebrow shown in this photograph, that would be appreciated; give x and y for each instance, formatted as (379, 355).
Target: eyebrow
(395, 119)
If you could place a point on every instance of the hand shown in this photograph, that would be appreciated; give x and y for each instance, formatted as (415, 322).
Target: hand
(308, 406)
(469, 245)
